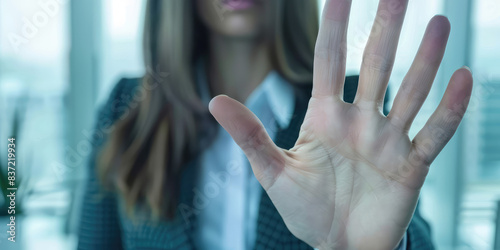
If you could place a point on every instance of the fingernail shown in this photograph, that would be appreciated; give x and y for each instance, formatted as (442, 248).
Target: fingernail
(466, 67)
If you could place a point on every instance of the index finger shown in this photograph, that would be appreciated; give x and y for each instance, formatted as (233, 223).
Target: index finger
(331, 49)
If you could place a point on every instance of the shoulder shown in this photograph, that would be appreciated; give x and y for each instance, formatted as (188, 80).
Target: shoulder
(120, 98)
(116, 105)
(126, 85)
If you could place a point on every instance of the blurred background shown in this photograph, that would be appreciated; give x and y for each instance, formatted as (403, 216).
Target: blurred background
(60, 58)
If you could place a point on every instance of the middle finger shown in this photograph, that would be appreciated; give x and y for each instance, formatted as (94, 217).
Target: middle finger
(379, 54)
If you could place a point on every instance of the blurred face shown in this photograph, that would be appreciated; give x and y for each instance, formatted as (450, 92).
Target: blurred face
(233, 18)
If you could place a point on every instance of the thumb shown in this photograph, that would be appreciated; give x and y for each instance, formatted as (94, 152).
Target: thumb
(247, 131)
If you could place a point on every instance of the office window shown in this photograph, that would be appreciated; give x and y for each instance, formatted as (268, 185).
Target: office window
(33, 81)
(121, 42)
(484, 113)
(482, 130)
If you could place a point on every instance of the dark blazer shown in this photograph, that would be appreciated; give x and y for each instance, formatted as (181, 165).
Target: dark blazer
(104, 224)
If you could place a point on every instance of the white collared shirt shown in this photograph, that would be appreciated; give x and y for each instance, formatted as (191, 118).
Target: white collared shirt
(229, 219)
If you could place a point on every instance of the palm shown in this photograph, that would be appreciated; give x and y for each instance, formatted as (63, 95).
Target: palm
(337, 175)
(353, 178)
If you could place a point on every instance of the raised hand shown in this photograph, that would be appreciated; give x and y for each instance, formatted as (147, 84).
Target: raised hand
(353, 178)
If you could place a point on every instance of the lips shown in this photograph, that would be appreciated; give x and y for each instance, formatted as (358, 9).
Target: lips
(239, 4)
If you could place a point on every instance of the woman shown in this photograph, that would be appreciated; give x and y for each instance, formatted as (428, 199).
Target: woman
(337, 173)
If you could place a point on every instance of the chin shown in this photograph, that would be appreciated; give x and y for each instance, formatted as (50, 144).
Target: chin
(239, 25)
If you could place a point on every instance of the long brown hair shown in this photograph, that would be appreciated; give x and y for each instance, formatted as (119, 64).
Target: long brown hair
(144, 156)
